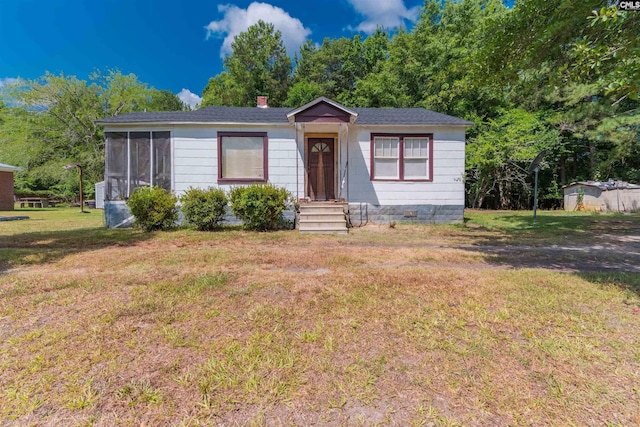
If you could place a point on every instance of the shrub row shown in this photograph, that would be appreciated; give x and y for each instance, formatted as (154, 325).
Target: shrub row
(260, 207)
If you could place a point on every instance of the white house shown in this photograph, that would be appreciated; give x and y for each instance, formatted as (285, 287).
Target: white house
(402, 164)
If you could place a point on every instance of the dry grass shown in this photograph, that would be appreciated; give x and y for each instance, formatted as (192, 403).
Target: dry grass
(405, 326)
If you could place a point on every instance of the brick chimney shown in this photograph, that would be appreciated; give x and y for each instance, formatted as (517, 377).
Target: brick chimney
(262, 102)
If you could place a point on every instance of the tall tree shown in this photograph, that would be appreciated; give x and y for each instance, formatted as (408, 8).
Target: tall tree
(608, 53)
(258, 65)
(579, 63)
(495, 156)
(334, 68)
(165, 100)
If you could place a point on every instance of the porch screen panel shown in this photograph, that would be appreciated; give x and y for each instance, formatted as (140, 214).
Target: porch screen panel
(116, 166)
(242, 157)
(416, 158)
(162, 159)
(386, 158)
(140, 160)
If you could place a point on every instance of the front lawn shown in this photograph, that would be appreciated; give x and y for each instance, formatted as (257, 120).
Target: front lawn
(413, 325)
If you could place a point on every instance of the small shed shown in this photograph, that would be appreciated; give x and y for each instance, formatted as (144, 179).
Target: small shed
(99, 186)
(6, 186)
(609, 196)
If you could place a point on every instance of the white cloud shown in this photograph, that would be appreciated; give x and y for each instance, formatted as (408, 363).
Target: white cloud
(7, 81)
(387, 14)
(237, 20)
(5, 97)
(189, 98)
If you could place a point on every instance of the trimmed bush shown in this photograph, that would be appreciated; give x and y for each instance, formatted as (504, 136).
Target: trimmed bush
(204, 209)
(153, 208)
(259, 206)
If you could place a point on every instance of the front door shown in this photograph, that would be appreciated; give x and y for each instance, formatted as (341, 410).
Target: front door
(321, 179)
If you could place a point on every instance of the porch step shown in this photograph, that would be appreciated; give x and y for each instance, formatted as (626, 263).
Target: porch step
(324, 208)
(345, 231)
(326, 218)
(320, 216)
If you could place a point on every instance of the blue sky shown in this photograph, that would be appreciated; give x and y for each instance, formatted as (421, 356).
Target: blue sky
(175, 45)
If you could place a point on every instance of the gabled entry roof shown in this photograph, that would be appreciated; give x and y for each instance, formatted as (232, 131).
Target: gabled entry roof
(314, 111)
(320, 109)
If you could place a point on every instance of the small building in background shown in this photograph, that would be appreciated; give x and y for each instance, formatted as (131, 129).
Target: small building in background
(609, 196)
(99, 186)
(6, 186)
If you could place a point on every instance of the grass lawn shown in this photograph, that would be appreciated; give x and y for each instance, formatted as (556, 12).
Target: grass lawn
(497, 321)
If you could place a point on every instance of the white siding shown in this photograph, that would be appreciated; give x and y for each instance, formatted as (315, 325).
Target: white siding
(195, 161)
(447, 187)
(282, 159)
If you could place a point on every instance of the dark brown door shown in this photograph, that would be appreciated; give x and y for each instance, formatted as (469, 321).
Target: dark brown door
(321, 179)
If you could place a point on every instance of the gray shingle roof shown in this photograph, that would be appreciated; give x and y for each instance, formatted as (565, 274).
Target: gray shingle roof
(405, 116)
(222, 115)
(205, 115)
(607, 185)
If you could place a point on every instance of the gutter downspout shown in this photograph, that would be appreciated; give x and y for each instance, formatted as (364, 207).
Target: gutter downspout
(347, 171)
(297, 125)
(338, 193)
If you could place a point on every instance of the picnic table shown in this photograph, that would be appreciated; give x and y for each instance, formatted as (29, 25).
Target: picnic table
(34, 202)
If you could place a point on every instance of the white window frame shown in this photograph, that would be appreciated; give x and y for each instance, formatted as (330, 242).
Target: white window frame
(402, 157)
(390, 156)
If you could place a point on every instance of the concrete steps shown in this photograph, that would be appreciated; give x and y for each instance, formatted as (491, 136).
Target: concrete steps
(323, 217)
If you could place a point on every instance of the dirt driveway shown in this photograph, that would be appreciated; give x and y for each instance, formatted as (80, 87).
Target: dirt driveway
(615, 251)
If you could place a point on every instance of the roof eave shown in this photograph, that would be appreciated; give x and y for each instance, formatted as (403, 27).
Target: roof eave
(316, 101)
(468, 124)
(190, 123)
(289, 123)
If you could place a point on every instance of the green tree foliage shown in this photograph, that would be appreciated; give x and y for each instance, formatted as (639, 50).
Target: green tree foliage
(496, 156)
(577, 64)
(608, 53)
(258, 65)
(443, 57)
(223, 90)
(165, 100)
(433, 66)
(335, 67)
(51, 122)
(303, 92)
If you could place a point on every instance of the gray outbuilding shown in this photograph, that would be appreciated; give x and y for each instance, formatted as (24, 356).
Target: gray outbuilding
(609, 196)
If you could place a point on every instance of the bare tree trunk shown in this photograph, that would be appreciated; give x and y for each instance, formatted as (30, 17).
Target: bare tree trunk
(481, 194)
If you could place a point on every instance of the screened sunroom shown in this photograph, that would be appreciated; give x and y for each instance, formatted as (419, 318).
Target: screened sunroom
(136, 159)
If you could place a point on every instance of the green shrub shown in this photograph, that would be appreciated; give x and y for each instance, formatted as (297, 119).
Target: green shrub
(153, 208)
(259, 206)
(204, 209)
